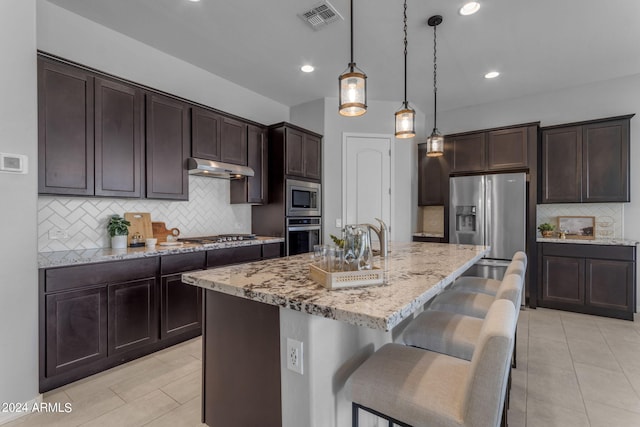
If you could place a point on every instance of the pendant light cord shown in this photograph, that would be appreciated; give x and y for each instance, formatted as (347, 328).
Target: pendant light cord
(351, 64)
(435, 80)
(405, 54)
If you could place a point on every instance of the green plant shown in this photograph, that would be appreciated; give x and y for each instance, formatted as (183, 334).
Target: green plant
(545, 226)
(339, 242)
(118, 226)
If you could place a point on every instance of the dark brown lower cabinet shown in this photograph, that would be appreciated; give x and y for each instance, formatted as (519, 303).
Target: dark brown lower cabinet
(96, 316)
(563, 280)
(76, 329)
(133, 316)
(181, 307)
(592, 279)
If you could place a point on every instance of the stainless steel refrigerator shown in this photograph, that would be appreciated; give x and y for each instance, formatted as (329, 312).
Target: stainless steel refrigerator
(489, 210)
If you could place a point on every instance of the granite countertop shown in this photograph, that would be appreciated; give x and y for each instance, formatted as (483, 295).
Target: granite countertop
(611, 242)
(414, 273)
(88, 256)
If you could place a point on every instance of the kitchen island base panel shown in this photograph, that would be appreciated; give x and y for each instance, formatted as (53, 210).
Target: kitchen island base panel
(241, 353)
(332, 351)
(246, 380)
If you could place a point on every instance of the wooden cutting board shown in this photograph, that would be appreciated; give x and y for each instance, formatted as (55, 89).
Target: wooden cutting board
(160, 231)
(140, 223)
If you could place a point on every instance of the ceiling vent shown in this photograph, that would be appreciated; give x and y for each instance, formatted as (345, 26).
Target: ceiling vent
(320, 15)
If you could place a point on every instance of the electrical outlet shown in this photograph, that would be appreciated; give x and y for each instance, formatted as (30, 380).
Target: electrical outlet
(58, 234)
(295, 359)
(338, 222)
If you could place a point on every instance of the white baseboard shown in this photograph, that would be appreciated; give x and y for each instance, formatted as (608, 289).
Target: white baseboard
(5, 417)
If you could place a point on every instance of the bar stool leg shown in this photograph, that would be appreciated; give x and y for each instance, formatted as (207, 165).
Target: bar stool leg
(515, 345)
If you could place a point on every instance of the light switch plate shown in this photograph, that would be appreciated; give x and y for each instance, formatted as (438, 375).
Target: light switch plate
(13, 163)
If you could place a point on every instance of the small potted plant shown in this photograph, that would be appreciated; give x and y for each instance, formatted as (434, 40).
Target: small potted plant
(118, 229)
(546, 229)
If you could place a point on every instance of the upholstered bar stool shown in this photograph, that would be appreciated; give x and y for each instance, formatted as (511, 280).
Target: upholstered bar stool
(489, 286)
(476, 304)
(413, 387)
(444, 325)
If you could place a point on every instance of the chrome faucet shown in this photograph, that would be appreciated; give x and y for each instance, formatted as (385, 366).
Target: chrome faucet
(383, 236)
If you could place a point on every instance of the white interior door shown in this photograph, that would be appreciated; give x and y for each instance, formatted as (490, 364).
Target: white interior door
(366, 185)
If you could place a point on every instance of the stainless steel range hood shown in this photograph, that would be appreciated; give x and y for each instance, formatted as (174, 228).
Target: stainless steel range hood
(215, 169)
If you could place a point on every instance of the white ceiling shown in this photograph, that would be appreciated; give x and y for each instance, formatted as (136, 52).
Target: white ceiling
(537, 45)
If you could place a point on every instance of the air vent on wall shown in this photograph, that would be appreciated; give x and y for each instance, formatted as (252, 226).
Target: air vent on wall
(320, 15)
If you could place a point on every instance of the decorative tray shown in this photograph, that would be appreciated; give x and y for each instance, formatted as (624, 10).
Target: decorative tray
(346, 279)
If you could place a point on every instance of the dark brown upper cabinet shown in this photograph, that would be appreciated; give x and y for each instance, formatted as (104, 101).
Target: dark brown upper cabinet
(312, 156)
(65, 130)
(253, 189)
(605, 161)
(302, 150)
(468, 153)
(167, 148)
(206, 128)
(491, 150)
(90, 133)
(432, 178)
(233, 146)
(562, 165)
(586, 162)
(118, 139)
(507, 149)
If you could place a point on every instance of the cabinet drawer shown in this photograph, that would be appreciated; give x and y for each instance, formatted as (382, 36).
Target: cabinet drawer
(227, 256)
(57, 279)
(623, 253)
(170, 264)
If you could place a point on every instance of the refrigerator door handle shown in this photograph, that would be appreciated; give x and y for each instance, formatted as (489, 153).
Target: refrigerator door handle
(489, 216)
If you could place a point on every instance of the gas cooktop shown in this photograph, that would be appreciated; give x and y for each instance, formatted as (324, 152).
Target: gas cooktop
(220, 238)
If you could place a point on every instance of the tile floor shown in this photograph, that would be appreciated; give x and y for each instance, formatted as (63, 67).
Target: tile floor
(573, 370)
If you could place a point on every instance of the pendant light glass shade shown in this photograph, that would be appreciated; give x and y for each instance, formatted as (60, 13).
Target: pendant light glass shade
(435, 142)
(405, 122)
(353, 92)
(406, 116)
(352, 86)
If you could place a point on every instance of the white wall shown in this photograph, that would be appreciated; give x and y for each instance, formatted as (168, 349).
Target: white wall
(309, 115)
(379, 119)
(593, 101)
(78, 39)
(18, 278)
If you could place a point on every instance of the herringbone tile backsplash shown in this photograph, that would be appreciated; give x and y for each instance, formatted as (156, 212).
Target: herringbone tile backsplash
(609, 216)
(207, 212)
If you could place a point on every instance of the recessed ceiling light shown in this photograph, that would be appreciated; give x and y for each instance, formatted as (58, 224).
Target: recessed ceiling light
(195, 1)
(469, 8)
(307, 68)
(491, 75)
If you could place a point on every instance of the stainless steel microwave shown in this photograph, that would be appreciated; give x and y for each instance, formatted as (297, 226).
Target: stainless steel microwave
(303, 198)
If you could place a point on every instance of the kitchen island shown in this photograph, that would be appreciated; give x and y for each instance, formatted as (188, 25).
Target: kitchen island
(251, 311)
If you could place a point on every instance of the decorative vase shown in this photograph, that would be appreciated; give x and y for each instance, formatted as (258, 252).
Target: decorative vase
(547, 233)
(357, 248)
(119, 242)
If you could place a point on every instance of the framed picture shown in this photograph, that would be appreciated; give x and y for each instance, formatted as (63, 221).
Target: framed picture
(578, 227)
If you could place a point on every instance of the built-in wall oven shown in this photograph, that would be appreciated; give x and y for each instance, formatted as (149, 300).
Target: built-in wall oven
(302, 234)
(303, 198)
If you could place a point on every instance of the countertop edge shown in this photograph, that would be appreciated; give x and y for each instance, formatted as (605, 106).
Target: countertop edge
(97, 255)
(606, 242)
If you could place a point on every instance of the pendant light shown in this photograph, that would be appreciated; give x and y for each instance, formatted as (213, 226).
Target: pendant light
(435, 142)
(352, 84)
(406, 116)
